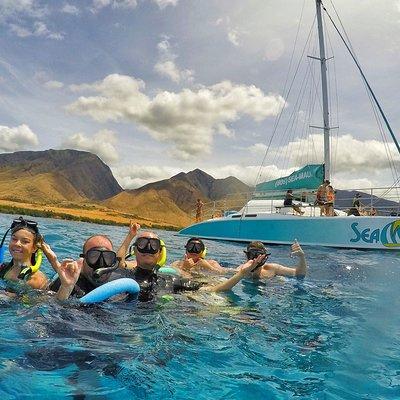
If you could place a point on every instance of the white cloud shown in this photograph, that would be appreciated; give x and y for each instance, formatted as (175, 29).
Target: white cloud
(53, 85)
(166, 65)
(18, 138)
(233, 36)
(11, 9)
(258, 148)
(349, 155)
(165, 3)
(102, 143)
(70, 9)
(97, 5)
(135, 176)
(39, 29)
(187, 120)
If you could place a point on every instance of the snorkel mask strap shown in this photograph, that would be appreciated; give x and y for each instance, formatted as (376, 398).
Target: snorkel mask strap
(97, 273)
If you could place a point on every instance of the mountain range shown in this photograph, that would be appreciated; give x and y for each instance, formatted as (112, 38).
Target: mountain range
(72, 177)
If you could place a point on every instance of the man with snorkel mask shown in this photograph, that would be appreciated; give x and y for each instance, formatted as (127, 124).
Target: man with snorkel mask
(194, 260)
(98, 264)
(148, 274)
(263, 270)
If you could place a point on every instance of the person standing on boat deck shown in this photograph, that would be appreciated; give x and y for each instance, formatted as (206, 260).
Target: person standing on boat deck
(330, 201)
(199, 210)
(321, 196)
(356, 206)
(265, 270)
(194, 260)
(288, 202)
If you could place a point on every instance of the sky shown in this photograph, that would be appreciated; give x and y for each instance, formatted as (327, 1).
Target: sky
(157, 87)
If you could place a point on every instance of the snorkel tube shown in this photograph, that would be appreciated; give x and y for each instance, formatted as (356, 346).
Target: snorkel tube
(97, 273)
(34, 268)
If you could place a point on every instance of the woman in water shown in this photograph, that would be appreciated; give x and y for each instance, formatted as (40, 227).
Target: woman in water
(24, 249)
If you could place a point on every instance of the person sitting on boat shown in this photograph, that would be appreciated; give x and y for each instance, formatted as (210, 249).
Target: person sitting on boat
(194, 260)
(97, 265)
(149, 276)
(24, 248)
(264, 270)
(356, 207)
(330, 201)
(288, 202)
(321, 196)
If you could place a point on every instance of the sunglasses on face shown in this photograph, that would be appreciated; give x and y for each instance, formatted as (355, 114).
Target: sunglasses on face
(100, 258)
(25, 223)
(148, 245)
(194, 247)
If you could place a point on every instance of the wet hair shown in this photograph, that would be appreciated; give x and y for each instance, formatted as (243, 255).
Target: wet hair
(256, 245)
(95, 236)
(195, 239)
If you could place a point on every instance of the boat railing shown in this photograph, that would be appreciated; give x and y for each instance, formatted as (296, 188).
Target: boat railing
(374, 201)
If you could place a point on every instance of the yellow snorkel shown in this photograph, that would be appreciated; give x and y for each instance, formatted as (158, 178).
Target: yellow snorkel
(33, 268)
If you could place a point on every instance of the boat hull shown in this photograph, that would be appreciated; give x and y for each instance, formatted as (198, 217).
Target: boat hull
(345, 232)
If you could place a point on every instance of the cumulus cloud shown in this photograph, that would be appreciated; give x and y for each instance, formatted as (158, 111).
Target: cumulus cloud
(258, 148)
(102, 143)
(39, 29)
(135, 176)
(233, 34)
(165, 3)
(11, 9)
(166, 65)
(187, 120)
(70, 9)
(348, 153)
(97, 5)
(53, 85)
(18, 138)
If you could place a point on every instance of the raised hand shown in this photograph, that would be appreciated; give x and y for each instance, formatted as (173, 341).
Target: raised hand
(296, 249)
(133, 228)
(49, 253)
(188, 263)
(69, 271)
(251, 266)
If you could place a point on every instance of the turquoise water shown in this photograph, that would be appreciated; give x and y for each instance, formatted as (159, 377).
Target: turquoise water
(335, 335)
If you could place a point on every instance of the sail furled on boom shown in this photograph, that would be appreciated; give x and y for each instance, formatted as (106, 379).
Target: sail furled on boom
(308, 177)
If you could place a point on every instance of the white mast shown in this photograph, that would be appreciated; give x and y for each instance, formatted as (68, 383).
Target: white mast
(325, 103)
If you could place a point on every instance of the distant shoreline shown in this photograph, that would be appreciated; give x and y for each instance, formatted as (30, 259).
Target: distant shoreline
(76, 214)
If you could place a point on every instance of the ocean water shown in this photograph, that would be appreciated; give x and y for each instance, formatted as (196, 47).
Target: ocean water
(334, 335)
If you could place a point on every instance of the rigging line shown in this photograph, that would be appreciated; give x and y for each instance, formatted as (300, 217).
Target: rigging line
(287, 95)
(365, 80)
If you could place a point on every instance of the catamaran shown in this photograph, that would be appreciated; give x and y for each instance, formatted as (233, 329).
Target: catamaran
(265, 218)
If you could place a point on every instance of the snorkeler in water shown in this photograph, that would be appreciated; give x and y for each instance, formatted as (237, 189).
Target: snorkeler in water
(147, 273)
(98, 264)
(25, 249)
(194, 260)
(265, 270)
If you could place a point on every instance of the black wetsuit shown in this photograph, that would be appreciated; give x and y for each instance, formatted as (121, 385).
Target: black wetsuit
(84, 286)
(149, 281)
(152, 283)
(4, 268)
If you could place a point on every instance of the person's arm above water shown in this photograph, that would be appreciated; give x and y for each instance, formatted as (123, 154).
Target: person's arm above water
(300, 270)
(133, 230)
(244, 270)
(211, 265)
(50, 255)
(68, 272)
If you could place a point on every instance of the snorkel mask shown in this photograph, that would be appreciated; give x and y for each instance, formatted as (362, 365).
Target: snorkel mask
(101, 261)
(252, 253)
(147, 245)
(31, 226)
(196, 246)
